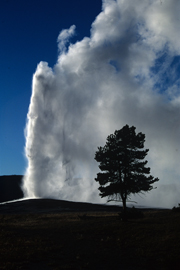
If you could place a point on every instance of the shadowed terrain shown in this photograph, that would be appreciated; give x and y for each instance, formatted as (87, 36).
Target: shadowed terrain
(50, 206)
(47, 234)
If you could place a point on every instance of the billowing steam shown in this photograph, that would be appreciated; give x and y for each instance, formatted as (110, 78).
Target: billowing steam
(127, 72)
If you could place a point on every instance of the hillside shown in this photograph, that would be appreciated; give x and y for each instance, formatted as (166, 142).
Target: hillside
(47, 234)
(49, 206)
(10, 187)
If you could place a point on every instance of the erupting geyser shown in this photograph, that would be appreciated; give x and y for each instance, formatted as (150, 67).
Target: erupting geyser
(99, 84)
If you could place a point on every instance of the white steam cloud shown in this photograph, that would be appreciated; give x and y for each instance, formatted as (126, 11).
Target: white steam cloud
(127, 72)
(64, 37)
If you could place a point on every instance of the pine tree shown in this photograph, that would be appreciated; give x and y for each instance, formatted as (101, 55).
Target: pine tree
(123, 167)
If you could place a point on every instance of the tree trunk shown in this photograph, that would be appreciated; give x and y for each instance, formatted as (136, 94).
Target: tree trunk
(124, 217)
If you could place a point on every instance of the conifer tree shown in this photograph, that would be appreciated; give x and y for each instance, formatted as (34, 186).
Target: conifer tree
(123, 167)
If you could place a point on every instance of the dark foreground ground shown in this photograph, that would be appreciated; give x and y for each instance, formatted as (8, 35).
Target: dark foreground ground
(50, 234)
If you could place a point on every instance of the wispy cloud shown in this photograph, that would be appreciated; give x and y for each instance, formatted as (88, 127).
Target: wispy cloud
(64, 38)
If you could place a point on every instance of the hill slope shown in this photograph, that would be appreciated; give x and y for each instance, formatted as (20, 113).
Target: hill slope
(50, 206)
(10, 187)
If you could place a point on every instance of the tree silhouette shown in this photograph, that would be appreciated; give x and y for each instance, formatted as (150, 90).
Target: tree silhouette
(124, 170)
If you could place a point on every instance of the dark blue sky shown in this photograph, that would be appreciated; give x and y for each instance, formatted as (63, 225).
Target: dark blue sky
(28, 35)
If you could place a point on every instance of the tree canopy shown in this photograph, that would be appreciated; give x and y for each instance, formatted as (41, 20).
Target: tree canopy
(123, 167)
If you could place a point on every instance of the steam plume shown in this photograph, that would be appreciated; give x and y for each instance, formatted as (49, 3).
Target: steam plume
(127, 72)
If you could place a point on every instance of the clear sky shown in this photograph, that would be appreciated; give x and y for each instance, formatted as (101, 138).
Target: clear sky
(28, 35)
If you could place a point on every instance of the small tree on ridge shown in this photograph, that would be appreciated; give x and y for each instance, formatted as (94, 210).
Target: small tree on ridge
(124, 170)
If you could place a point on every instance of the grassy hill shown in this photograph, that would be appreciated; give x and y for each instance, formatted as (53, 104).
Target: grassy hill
(49, 234)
